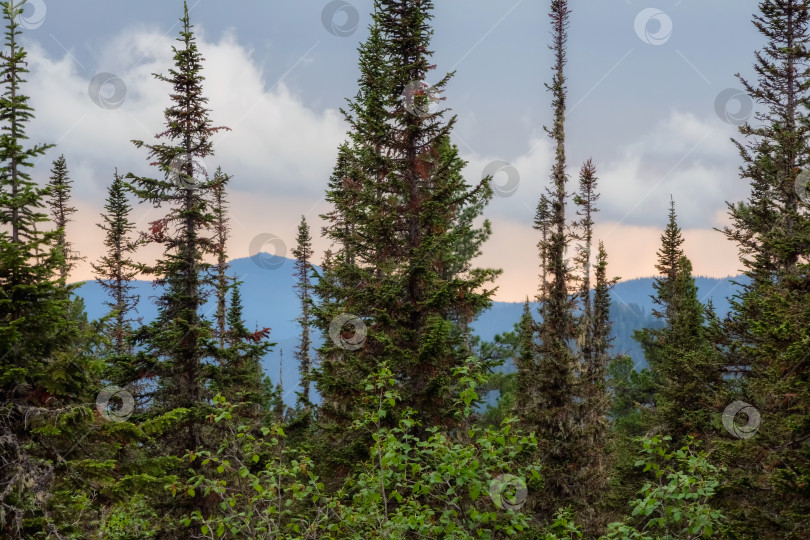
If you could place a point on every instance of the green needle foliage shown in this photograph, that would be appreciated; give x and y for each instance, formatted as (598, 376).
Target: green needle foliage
(685, 367)
(179, 340)
(170, 429)
(767, 336)
(48, 363)
(178, 350)
(563, 358)
(59, 188)
(239, 377)
(551, 365)
(221, 233)
(303, 272)
(115, 271)
(403, 222)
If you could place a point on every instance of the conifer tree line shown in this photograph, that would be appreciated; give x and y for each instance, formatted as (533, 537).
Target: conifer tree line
(169, 428)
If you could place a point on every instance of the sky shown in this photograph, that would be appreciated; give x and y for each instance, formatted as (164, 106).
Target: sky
(652, 99)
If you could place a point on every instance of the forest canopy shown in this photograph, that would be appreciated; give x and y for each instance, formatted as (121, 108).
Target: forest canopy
(120, 427)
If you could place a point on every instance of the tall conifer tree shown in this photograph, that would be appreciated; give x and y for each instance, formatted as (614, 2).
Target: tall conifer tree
(566, 370)
(683, 365)
(586, 201)
(115, 271)
(303, 254)
(403, 226)
(596, 370)
(554, 363)
(669, 255)
(240, 375)
(221, 232)
(525, 397)
(542, 224)
(59, 188)
(770, 326)
(179, 348)
(46, 372)
(177, 341)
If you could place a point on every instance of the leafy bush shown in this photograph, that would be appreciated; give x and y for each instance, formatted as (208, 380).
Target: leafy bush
(675, 505)
(446, 486)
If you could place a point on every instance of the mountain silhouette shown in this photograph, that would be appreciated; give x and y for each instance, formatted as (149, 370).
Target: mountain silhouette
(270, 301)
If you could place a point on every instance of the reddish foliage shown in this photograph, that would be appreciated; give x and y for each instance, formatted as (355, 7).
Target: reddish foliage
(157, 230)
(39, 396)
(259, 335)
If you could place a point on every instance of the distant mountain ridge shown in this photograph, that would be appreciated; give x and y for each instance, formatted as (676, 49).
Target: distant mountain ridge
(270, 301)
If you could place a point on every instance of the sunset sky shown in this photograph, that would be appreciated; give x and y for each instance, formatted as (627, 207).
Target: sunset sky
(649, 101)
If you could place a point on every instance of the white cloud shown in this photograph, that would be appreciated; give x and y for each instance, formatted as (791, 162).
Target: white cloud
(691, 159)
(281, 153)
(277, 144)
(683, 156)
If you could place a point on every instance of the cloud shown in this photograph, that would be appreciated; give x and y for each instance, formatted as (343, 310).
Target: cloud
(683, 156)
(281, 153)
(277, 144)
(533, 168)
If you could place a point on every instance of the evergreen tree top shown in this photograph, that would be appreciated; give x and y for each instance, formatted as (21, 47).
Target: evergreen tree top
(189, 129)
(303, 248)
(60, 185)
(15, 111)
(671, 241)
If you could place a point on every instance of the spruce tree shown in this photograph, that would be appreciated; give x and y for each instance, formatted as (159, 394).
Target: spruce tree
(768, 332)
(339, 382)
(689, 369)
(593, 330)
(563, 366)
(586, 201)
(768, 227)
(178, 349)
(595, 401)
(434, 209)
(59, 188)
(602, 324)
(403, 229)
(303, 254)
(682, 364)
(684, 385)
(554, 364)
(221, 232)
(238, 374)
(25, 279)
(669, 255)
(115, 271)
(239, 377)
(542, 223)
(596, 370)
(526, 398)
(46, 372)
(177, 341)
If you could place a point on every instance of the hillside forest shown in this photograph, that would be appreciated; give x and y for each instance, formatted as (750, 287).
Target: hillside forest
(117, 427)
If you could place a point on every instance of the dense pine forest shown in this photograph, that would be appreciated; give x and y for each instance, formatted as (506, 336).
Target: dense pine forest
(121, 428)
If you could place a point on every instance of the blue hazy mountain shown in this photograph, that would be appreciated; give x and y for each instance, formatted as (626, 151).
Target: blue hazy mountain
(270, 301)
(631, 310)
